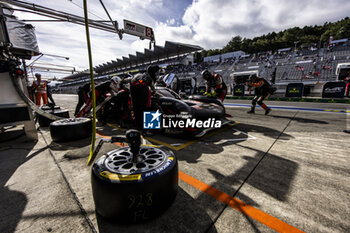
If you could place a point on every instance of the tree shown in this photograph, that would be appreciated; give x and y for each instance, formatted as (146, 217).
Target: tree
(286, 38)
(233, 45)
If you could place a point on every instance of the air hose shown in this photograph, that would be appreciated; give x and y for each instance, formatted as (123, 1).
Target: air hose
(93, 136)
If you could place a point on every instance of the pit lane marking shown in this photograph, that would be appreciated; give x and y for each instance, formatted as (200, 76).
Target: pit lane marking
(249, 137)
(248, 210)
(122, 144)
(184, 145)
(180, 146)
(293, 108)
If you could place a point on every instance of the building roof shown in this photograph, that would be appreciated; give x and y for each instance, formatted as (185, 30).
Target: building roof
(170, 49)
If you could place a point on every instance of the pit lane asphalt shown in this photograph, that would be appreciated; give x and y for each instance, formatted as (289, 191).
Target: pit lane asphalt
(290, 169)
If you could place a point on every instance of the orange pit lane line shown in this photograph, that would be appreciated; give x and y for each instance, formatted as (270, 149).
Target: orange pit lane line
(108, 137)
(238, 205)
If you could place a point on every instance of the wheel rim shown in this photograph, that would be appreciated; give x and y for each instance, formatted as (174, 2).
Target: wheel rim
(120, 160)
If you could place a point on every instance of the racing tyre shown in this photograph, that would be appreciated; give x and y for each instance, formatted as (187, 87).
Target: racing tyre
(70, 129)
(45, 122)
(126, 192)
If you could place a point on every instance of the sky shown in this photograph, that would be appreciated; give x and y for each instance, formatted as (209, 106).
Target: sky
(210, 24)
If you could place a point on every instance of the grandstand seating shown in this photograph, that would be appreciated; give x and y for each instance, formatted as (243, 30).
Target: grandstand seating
(317, 65)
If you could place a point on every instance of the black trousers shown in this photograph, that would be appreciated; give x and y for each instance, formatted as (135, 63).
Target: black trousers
(141, 100)
(82, 96)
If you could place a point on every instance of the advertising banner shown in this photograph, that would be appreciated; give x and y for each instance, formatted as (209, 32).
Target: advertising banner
(295, 90)
(334, 90)
(238, 90)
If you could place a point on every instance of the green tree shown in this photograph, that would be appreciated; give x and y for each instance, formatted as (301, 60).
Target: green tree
(286, 38)
(233, 45)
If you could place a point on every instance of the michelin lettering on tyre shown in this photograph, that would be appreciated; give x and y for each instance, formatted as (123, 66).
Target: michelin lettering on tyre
(159, 170)
(115, 165)
(135, 177)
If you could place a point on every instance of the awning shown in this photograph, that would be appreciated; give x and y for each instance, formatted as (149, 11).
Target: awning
(339, 41)
(284, 50)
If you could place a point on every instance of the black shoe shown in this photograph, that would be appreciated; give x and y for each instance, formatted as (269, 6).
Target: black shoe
(251, 111)
(267, 111)
(346, 131)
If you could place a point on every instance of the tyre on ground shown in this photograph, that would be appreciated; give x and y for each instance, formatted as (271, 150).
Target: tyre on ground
(45, 122)
(126, 192)
(70, 129)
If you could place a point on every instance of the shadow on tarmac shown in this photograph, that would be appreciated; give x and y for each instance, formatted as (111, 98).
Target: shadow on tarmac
(273, 175)
(184, 215)
(12, 155)
(231, 136)
(301, 120)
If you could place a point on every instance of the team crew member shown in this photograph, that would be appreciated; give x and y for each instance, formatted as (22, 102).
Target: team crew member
(140, 90)
(215, 86)
(49, 93)
(262, 90)
(40, 90)
(83, 96)
(101, 91)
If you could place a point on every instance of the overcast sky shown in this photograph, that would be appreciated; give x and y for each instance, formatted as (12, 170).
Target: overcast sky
(207, 23)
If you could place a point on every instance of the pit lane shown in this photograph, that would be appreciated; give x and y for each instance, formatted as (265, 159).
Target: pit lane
(287, 171)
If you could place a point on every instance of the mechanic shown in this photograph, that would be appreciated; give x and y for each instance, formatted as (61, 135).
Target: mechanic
(39, 87)
(120, 102)
(49, 93)
(101, 91)
(83, 97)
(263, 89)
(141, 86)
(160, 82)
(215, 86)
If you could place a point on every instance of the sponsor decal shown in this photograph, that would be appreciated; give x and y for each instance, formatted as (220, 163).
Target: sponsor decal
(160, 169)
(113, 176)
(333, 90)
(294, 90)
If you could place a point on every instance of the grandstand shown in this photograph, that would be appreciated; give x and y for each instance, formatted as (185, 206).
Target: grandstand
(309, 65)
(171, 55)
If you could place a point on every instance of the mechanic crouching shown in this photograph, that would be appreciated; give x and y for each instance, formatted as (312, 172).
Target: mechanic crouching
(215, 86)
(101, 91)
(263, 89)
(141, 86)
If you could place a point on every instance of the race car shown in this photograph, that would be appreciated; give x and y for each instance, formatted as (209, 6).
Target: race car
(168, 103)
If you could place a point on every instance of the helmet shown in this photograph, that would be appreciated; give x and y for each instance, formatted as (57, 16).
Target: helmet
(37, 75)
(162, 71)
(152, 70)
(206, 74)
(115, 84)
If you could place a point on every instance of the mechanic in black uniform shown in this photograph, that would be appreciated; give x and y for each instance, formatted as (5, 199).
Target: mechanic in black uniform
(83, 96)
(263, 89)
(141, 86)
(101, 90)
(215, 85)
